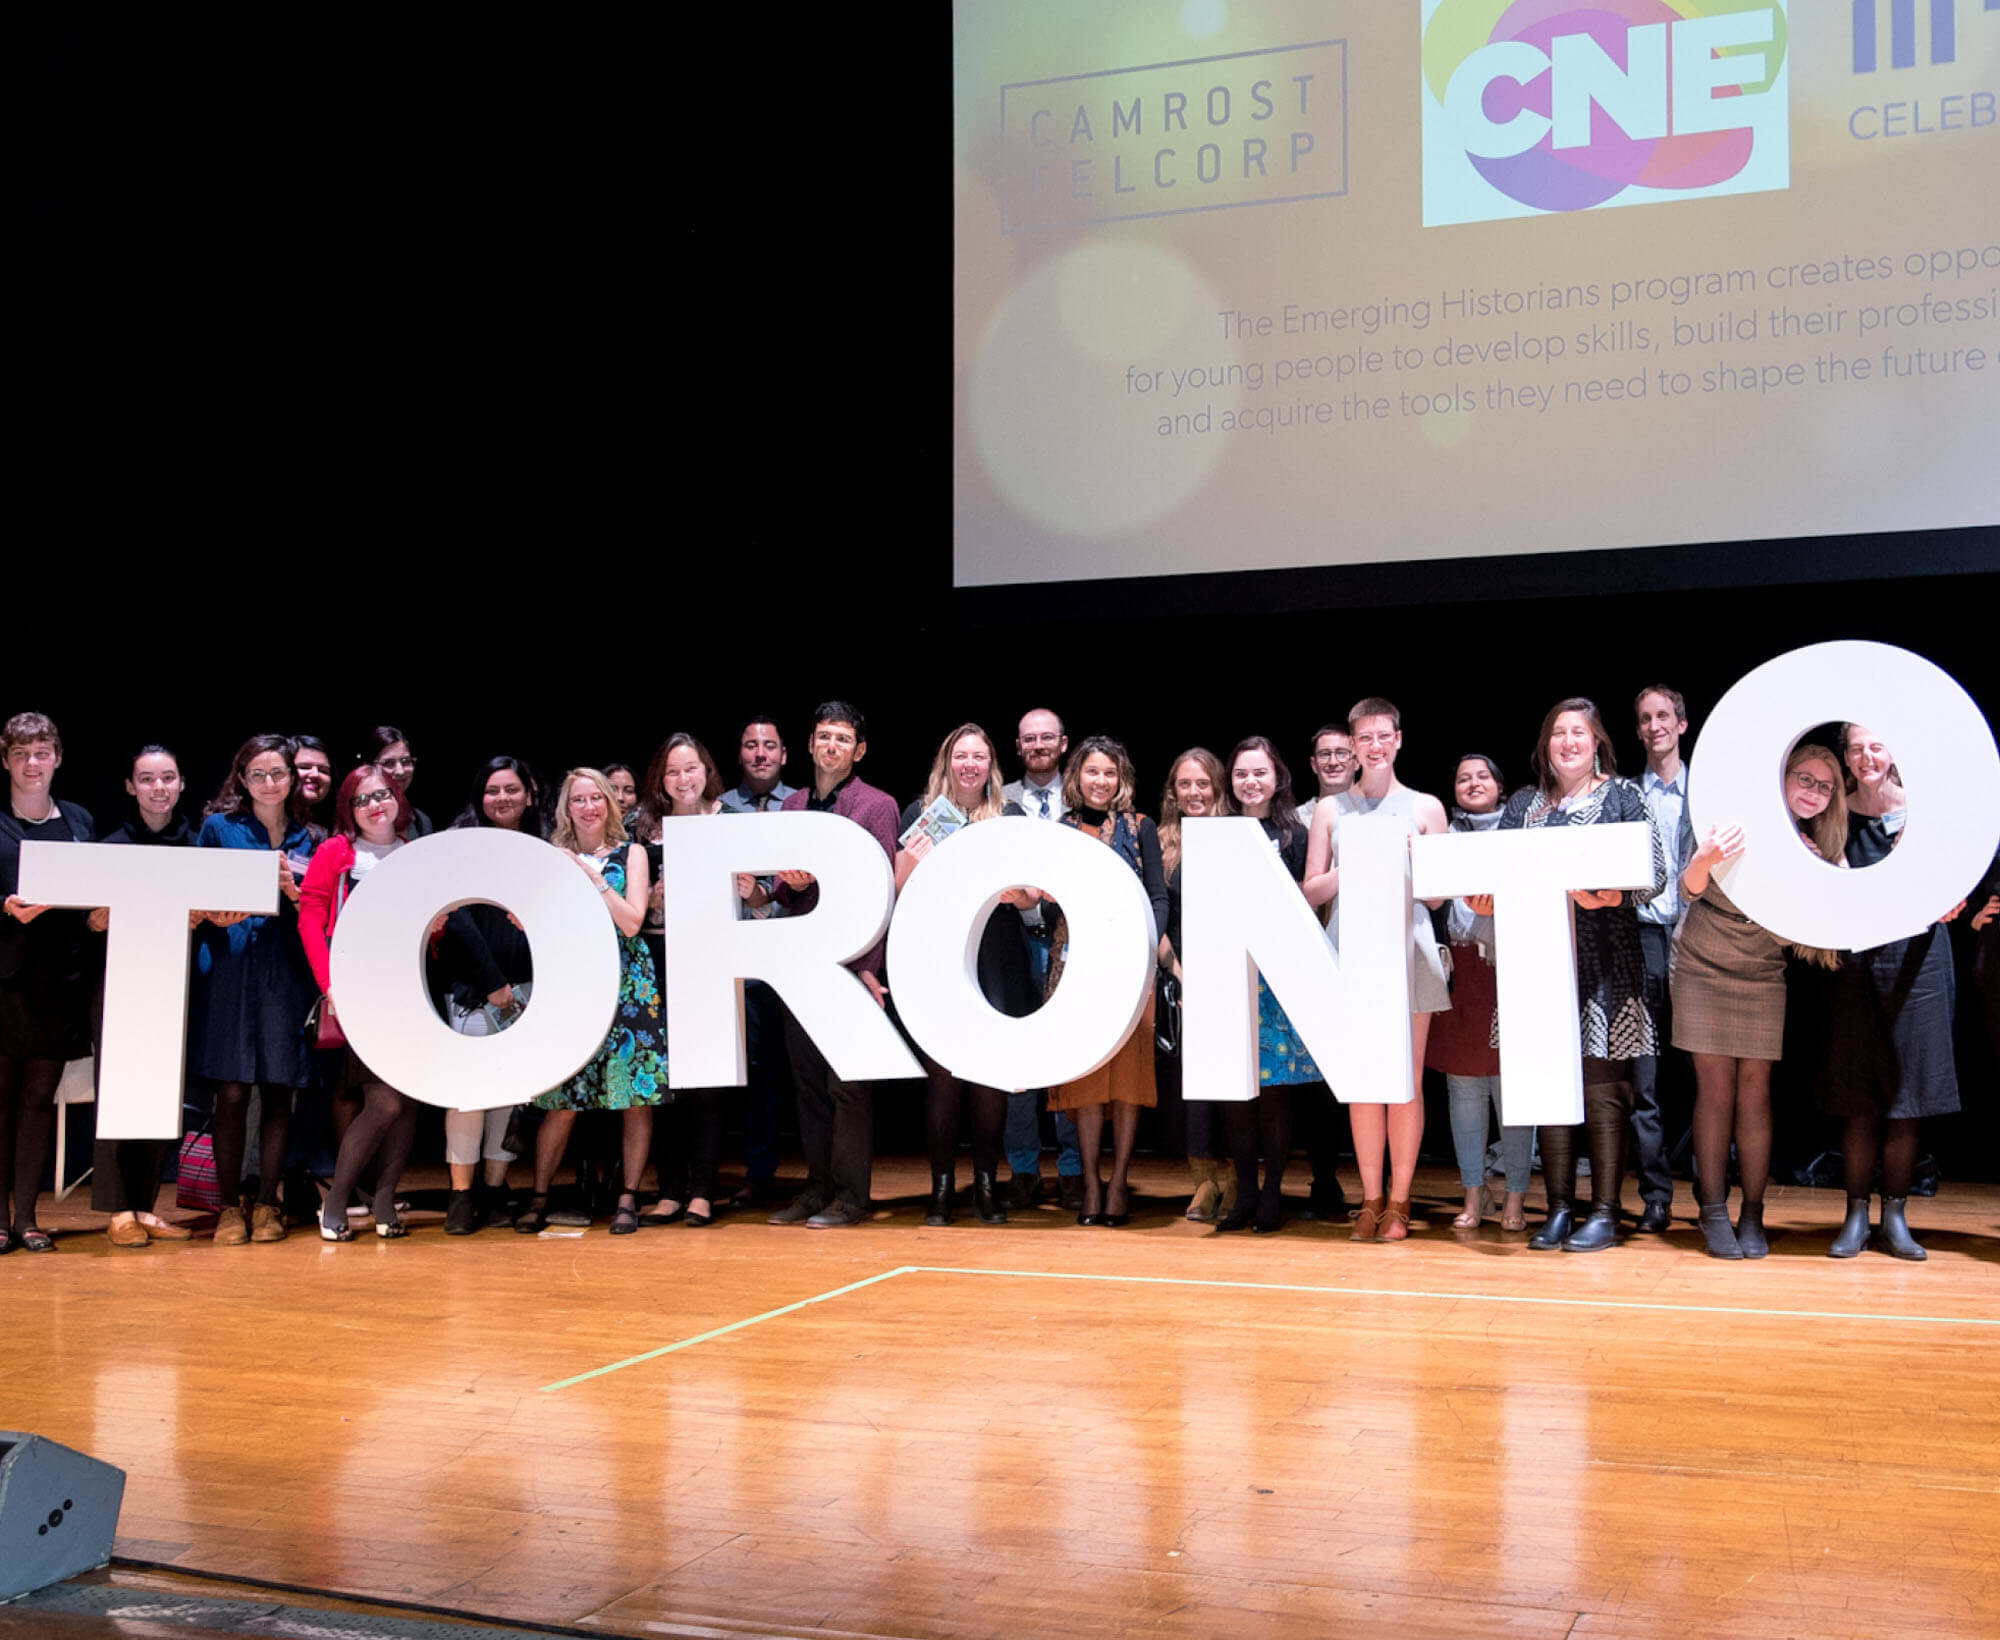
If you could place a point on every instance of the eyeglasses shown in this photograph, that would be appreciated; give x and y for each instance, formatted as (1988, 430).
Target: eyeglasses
(268, 777)
(395, 762)
(1339, 754)
(373, 800)
(1040, 740)
(1376, 740)
(1806, 783)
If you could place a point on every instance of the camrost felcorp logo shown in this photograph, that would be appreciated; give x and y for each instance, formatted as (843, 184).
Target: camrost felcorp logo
(1533, 107)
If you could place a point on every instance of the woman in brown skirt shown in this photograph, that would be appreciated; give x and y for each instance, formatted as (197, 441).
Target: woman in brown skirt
(1728, 984)
(1097, 793)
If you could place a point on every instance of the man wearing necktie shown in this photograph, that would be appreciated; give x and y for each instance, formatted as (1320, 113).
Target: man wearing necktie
(1042, 744)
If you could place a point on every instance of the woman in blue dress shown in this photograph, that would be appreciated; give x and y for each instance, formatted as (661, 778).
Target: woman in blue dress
(253, 988)
(629, 1073)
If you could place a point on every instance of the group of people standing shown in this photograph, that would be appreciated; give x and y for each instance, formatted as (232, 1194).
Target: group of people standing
(1674, 963)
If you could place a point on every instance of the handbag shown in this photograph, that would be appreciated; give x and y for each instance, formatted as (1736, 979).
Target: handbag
(322, 1025)
(195, 1183)
(1167, 1017)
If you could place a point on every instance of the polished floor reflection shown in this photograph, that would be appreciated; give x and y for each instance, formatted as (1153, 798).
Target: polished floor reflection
(1045, 1430)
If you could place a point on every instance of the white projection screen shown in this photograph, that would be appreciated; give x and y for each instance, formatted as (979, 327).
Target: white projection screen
(1265, 284)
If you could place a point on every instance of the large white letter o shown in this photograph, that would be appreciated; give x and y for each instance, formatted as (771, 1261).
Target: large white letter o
(1943, 748)
(934, 954)
(378, 969)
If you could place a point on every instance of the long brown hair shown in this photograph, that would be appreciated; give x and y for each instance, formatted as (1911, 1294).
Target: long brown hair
(1100, 746)
(1170, 808)
(1607, 757)
(653, 806)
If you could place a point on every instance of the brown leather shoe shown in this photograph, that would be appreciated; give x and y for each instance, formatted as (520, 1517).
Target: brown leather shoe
(266, 1223)
(129, 1234)
(230, 1229)
(164, 1231)
(1396, 1222)
(1368, 1219)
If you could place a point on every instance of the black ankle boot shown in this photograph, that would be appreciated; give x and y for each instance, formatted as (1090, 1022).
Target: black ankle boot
(1562, 1216)
(1853, 1235)
(1559, 1181)
(940, 1212)
(1606, 1106)
(1894, 1236)
(1722, 1241)
(986, 1200)
(461, 1214)
(1750, 1230)
(1597, 1232)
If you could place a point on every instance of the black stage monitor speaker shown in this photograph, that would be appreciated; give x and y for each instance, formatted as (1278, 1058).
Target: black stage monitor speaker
(58, 1512)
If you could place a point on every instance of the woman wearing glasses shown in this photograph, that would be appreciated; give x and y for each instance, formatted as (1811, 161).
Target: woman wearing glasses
(389, 751)
(1891, 1053)
(370, 815)
(1728, 982)
(253, 988)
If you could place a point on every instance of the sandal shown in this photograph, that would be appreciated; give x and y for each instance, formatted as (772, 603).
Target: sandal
(625, 1217)
(1473, 1217)
(1514, 1218)
(37, 1241)
(1368, 1219)
(343, 1231)
(534, 1219)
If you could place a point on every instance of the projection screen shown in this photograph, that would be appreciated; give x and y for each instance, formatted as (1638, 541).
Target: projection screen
(1283, 283)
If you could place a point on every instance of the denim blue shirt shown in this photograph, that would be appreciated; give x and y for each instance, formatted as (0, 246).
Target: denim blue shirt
(1670, 814)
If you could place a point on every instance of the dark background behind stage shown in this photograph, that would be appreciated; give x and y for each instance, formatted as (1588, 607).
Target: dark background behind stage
(549, 386)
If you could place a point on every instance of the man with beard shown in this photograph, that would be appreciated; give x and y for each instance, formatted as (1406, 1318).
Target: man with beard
(1042, 744)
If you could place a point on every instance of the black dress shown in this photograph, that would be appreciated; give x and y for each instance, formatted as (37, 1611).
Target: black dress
(48, 966)
(1891, 1052)
(1006, 975)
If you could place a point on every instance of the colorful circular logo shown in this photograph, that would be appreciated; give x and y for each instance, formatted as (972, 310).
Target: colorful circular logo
(1549, 178)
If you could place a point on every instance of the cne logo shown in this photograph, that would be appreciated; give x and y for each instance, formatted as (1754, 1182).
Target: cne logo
(1566, 105)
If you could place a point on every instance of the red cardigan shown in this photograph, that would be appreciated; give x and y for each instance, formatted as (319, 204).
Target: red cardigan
(319, 904)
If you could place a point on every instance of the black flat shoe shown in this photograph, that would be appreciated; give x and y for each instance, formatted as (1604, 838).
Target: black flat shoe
(700, 1221)
(40, 1241)
(660, 1216)
(534, 1218)
(1240, 1219)
(625, 1216)
(1657, 1219)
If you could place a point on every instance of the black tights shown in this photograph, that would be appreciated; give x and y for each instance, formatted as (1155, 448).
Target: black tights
(1732, 1099)
(227, 1130)
(387, 1124)
(1264, 1122)
(1898, 1149)
(27, 1119)
(942, 1104)
(1607, 1107)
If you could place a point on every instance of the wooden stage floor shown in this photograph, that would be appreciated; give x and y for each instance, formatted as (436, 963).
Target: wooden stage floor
(1041, 1430)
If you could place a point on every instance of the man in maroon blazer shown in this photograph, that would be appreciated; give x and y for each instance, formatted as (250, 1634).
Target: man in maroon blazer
(836, 1118)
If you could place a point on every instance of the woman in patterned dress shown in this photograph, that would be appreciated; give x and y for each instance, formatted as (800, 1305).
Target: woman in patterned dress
(629, 1073)
(1578, 785)
(1262, 788)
